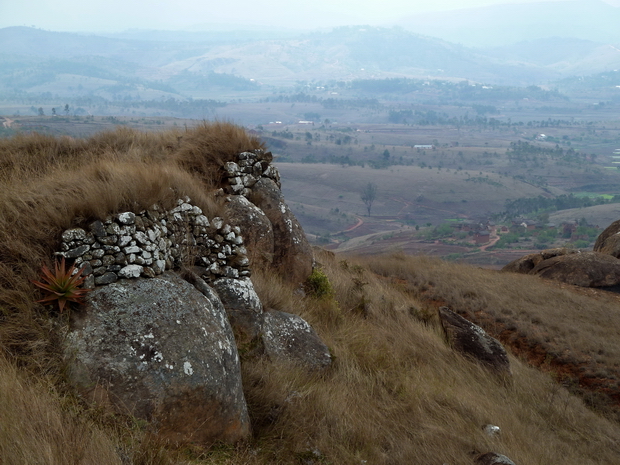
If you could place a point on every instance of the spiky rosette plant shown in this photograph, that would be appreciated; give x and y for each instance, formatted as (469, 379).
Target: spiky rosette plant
(62, 285)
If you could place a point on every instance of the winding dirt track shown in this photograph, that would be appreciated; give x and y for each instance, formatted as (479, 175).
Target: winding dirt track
(494, 237)
(360, 222)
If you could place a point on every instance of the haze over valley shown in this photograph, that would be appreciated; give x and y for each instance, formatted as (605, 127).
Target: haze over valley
(327, 232)
(452, 114)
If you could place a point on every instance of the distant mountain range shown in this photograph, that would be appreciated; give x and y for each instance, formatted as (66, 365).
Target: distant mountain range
(166, 64)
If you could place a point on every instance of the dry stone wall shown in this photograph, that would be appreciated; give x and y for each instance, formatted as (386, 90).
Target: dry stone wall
(129, 245)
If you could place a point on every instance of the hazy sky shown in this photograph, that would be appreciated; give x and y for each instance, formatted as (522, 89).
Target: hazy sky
(119, 15)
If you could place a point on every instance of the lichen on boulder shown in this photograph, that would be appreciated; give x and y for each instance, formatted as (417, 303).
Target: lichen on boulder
(160, 350)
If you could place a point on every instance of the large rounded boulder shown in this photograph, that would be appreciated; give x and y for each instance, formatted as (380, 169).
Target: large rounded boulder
(608, 242)
(292, 251)
(527, 263)
(160, 350)
(585, 269)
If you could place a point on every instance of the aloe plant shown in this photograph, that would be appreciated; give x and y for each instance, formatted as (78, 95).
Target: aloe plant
(62, 285)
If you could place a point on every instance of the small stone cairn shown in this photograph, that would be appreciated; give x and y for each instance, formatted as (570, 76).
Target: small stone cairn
(129, 245)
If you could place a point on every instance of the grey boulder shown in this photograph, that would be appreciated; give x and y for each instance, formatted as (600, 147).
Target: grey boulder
(292, 252)
(585, 269)
(608, 242)
(472, 341)
(288, 337)
(527, 263)
(243, 307)
(256, 229)
(161, 351)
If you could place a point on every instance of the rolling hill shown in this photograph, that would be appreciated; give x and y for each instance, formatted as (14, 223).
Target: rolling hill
(37, 61)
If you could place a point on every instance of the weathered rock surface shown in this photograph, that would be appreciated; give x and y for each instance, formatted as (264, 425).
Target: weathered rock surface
(288, 337)
(491, 458)
(585, 269)
(526, 263)
(292, 252)
(257, 229)
(243, 307)
(473, 341)
(161, 351)
(608, 242)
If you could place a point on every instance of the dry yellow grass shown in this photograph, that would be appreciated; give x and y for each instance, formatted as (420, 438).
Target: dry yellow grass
(396, 392)
(570, 331)
(36, 428)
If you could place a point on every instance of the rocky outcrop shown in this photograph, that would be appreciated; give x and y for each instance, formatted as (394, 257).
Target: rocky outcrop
(292, 252)
(608, 242)
(160, 350)
(527, 263)
(585, 269)
(471, 340)
(288, 337)
(165, 350)
(279, 242)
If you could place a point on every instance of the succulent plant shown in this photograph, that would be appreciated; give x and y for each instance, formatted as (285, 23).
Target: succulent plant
(62, 285)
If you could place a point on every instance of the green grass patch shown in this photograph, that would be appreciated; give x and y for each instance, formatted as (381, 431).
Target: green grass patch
(593, 195)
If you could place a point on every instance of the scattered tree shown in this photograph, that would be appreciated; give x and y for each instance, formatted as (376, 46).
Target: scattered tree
(368, 195)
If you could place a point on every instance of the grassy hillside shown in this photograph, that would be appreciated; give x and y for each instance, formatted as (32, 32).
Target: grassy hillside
(396, 393)
(603, 215)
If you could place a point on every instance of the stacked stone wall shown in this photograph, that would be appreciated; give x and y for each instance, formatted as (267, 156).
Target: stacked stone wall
(130, 245)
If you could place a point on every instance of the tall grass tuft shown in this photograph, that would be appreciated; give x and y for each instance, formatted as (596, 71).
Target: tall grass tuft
(205, 150)
(37, 426)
